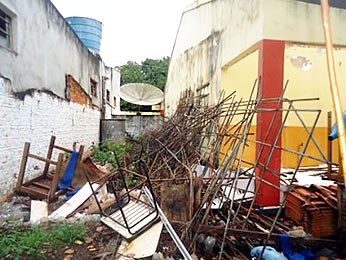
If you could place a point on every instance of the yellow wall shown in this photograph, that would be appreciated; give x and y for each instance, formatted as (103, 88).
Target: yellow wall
(240, 76)
(312, 81)
(306, 69)
(307, 81)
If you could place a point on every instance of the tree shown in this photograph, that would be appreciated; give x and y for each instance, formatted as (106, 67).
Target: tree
(150, 71)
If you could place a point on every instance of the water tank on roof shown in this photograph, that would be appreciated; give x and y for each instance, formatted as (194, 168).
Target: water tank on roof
(88, 30)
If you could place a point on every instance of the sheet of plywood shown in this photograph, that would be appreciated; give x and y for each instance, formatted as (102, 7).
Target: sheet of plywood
(73, 203)
(38, 211)
(144, 245)
(175, 201)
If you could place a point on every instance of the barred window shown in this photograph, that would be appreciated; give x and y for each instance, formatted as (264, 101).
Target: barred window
(5, 30)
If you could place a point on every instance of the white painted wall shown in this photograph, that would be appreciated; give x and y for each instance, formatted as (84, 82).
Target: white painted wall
(45, 50)
(34, 120)
(113, 86)
(213, 33)
(297, 21)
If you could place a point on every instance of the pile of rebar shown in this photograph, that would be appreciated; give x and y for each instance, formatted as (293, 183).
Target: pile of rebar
(208, 142)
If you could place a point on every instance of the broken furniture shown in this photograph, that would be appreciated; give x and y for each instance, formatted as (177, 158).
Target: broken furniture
(45, 185)
(132, 213)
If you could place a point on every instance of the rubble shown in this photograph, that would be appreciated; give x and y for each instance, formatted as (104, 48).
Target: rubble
(205, 195)
(315, 209)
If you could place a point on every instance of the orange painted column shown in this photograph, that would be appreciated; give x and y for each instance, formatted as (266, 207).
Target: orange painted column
(271, 73)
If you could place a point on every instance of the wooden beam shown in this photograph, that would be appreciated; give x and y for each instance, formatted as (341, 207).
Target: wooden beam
(23, 165)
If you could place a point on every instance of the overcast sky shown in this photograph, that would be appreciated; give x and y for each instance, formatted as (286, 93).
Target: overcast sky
(132, 29)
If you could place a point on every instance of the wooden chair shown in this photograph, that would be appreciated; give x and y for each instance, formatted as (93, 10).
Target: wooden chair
(45, 185)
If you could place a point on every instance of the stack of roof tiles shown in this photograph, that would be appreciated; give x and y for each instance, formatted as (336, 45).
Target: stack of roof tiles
(314, 208)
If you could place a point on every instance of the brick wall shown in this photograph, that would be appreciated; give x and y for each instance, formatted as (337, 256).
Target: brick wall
(34, 120)
(76, 93)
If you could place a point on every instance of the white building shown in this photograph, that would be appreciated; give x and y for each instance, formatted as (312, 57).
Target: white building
(50, 83)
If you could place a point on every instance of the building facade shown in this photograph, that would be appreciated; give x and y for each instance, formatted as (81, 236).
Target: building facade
(229, 44)
(50, 84)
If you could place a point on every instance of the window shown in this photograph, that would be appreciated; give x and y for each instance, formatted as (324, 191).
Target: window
(5, 30)
(108, 95)
(93, 85)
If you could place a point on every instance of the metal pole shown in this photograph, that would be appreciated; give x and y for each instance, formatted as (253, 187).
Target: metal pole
(334, 84)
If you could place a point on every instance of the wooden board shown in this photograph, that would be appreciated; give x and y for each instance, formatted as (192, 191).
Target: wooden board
(144, 245)
(73, 203)
(175, 201)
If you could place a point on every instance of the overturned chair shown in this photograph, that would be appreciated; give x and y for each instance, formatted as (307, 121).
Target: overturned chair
(45, 185)
(133, 212)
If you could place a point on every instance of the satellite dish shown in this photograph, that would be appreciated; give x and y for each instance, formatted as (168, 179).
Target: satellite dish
(141, 94)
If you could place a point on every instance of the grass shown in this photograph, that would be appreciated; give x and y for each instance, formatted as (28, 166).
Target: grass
(35, 241)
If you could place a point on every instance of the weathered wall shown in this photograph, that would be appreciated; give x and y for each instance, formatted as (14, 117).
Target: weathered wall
(36, 98)
(112, 84)
(138, 125)
(45, 49)
(232, 28)
(229, 28)
(298, 21)
(34, 120)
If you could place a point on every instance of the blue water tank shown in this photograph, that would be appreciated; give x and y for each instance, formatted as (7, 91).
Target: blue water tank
(88, 30)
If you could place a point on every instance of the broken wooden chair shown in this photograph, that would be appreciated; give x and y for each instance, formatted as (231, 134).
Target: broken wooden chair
(45, 185)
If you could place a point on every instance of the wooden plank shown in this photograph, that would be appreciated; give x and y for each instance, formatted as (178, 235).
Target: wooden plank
(175, 201)
(63, 149)
(144, 245)
(39, 211)
(72, 204)
(38, 194)
(23, 165)
(49, 154)
(56, 177)
(41, 185)
(34, 156)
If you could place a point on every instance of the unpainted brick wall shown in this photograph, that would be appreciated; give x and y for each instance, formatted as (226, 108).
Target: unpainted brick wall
(34, 120)
(76, 92)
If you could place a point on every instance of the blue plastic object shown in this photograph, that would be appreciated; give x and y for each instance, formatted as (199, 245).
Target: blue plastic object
(304, 254)
(88, 30)
(335, 133)
(67, 179)
(269, 253)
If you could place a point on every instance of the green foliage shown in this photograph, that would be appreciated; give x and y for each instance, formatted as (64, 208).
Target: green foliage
(150, 71)
(106, 152)
(35, 241)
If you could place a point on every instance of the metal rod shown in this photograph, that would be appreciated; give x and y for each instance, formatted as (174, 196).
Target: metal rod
(334, 88)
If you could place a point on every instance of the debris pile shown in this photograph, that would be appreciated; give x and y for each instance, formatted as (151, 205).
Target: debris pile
(192, 177)
(315, 209)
